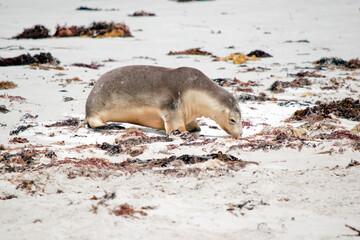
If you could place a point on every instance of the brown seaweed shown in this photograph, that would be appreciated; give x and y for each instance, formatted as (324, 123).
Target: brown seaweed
(26, 59)
(35, 32)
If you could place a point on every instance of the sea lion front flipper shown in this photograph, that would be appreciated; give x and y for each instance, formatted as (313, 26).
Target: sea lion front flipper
(173, 121)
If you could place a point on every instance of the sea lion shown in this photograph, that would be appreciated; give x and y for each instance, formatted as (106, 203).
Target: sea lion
(161, 98)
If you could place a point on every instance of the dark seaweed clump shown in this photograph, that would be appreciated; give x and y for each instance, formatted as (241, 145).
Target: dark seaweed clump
(259, 54)
(20, 129)
(347, 108)
(67, 122)
(278, 86)
(35, 32)
(338, 62)
(26, 59)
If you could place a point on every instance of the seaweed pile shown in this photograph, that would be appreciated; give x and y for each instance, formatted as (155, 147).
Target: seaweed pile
(191, 51)
(36, 32)
(347, 108)
(338, 62)
(96, 29)
(278, 86)
(26, 59)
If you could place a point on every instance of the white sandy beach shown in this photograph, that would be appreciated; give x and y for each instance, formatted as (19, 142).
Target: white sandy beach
(297, 181)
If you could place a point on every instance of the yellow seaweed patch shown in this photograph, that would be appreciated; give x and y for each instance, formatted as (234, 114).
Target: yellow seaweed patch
(238, 58)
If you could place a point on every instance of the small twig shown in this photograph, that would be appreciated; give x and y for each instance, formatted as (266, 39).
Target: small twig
(354, 229)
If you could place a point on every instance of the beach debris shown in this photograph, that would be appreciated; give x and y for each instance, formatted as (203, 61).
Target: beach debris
(353, 63)
(234, 81)
(127, 210)
(353, 163)
(18, 162)
(84, 8)
(354, 229)
(3, 109)
(262, 97)
(338, 62)
(142, 14)
(12, 98)
(20, 129)
(259, 54)
(26, 59)
(191, 51)
(68, 99)
(298, 41)
(309, 74)
(347, 108)
(278, 86)
(238, 58)
(8, 197)
(96, 29)
(35, 32)
(18, 140)
(7, 85)
(92, 65)
(68, 122)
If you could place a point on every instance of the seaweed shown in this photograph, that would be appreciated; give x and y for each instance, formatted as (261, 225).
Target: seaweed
(238, 58)
(68, 122)
(278, 86)
(18, 140)
(26, 59)
(191, 51)
(339, 62)
(3, 109)
(7, 85)
(126, 210)
(96, 29)
(92, 65)
(234, 81)
(259, 54)
(347, 108)
(20, 129)
(142, 14)
(35, 32)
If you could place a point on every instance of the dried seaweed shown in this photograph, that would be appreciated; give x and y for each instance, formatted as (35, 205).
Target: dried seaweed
(353, 163)
(26, 59)
(3, 109)
(7, 85)
(192, 51)
(36, 32)
(126, 210)
(93, 65)
(338, 62)
(20, 129)
(142, 14)
(82, 8)
(309, 74)
(353, 63)
(262, 97)
(234, 82)
(259, 54)
(68, 122)
(278, 86)
(346, 108)
(96, 29)
(238, 58)
(18, 140)
(18, 162)
(12, 98)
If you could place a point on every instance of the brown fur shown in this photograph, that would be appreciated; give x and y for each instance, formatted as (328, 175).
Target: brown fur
(161, 98)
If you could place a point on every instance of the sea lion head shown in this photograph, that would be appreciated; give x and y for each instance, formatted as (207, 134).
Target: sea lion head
(231, 122)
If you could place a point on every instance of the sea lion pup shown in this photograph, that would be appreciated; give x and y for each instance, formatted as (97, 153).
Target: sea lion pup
(161, 98)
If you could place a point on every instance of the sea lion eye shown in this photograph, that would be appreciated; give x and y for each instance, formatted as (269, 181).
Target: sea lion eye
(232, 121)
